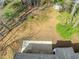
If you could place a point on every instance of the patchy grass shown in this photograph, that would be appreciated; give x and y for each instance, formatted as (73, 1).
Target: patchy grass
(40, 18)
(66, 31)
(39, 15)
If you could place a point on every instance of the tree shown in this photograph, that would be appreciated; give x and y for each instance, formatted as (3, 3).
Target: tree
(70, 17)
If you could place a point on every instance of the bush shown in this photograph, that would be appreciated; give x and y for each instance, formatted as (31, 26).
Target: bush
(13, 9)
(64, 17)
(9, 13)
(66, 31)
(59, 1)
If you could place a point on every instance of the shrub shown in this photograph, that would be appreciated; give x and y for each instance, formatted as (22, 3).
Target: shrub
(13, 9)
(58, 1)
(64, 17)
(9, 13)
(66, 31)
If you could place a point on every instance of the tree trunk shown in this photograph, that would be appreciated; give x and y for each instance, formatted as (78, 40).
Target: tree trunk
(74, 9)
(76, 24)
(73, 12)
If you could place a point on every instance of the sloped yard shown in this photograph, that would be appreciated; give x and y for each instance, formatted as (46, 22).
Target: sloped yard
(35, 29)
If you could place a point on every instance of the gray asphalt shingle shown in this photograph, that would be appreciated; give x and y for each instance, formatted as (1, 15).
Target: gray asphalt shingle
(64, 53)
(34, 56)
(60, 53)
(75, 56)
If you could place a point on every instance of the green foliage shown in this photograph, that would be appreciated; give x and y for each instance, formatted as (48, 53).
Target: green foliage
(13, 9)
(9, 13)
(59, 1)
(67, 21)
(65, 27)
(64, 17)
(66, 31)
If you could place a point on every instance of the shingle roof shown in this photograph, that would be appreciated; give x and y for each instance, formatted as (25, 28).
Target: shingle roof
(35, 56)
(64, 53)
(75, 56)
(60, 53)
